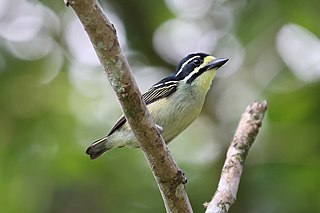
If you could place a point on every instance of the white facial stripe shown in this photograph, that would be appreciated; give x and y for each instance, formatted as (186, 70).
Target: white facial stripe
(185, 63)
(192, 73)
(207, 60)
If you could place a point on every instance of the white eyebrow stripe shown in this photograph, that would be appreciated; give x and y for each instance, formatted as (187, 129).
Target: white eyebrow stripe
(185, 63)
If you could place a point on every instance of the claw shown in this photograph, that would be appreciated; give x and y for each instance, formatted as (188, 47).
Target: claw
(181, 177)
(159, 128)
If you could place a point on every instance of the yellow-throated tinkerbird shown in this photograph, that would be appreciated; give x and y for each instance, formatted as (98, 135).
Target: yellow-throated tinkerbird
(174, 103)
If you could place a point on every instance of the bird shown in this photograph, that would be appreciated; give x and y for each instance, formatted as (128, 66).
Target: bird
(174, 103)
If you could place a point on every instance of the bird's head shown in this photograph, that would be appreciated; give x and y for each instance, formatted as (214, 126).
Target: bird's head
(195, 65)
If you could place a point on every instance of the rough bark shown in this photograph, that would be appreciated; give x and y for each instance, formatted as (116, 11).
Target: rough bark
(244, 137)
(103, 36)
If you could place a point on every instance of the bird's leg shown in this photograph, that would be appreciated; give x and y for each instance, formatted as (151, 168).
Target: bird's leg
(181, 177)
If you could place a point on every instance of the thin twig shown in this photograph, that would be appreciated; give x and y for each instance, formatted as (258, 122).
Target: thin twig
(244, 137)
(103, 36)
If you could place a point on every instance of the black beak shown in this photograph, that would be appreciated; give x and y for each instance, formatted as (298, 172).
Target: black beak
(216, 63)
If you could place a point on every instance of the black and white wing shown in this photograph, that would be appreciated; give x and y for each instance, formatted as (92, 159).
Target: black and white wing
(160, 90)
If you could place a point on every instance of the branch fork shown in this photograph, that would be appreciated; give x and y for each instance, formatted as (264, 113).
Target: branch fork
(170, 179)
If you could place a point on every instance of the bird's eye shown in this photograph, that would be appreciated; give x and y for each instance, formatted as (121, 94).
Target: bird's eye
(197, 62)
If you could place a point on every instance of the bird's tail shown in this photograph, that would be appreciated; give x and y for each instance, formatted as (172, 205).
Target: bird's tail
(97, 148)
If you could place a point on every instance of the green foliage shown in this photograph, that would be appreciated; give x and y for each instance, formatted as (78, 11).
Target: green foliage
(54, 100)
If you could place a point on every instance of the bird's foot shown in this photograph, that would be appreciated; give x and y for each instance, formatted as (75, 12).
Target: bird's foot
(159, 128)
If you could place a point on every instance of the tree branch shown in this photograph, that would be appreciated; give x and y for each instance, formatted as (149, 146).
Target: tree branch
(244, 137)
(103, 36)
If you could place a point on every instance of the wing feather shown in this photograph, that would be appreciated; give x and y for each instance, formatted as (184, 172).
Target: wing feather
(157, 91)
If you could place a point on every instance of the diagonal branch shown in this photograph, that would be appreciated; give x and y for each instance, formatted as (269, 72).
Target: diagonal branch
(244, 137)
(103, 36)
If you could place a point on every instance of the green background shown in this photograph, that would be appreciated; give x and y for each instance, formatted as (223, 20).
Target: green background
(55, 100)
